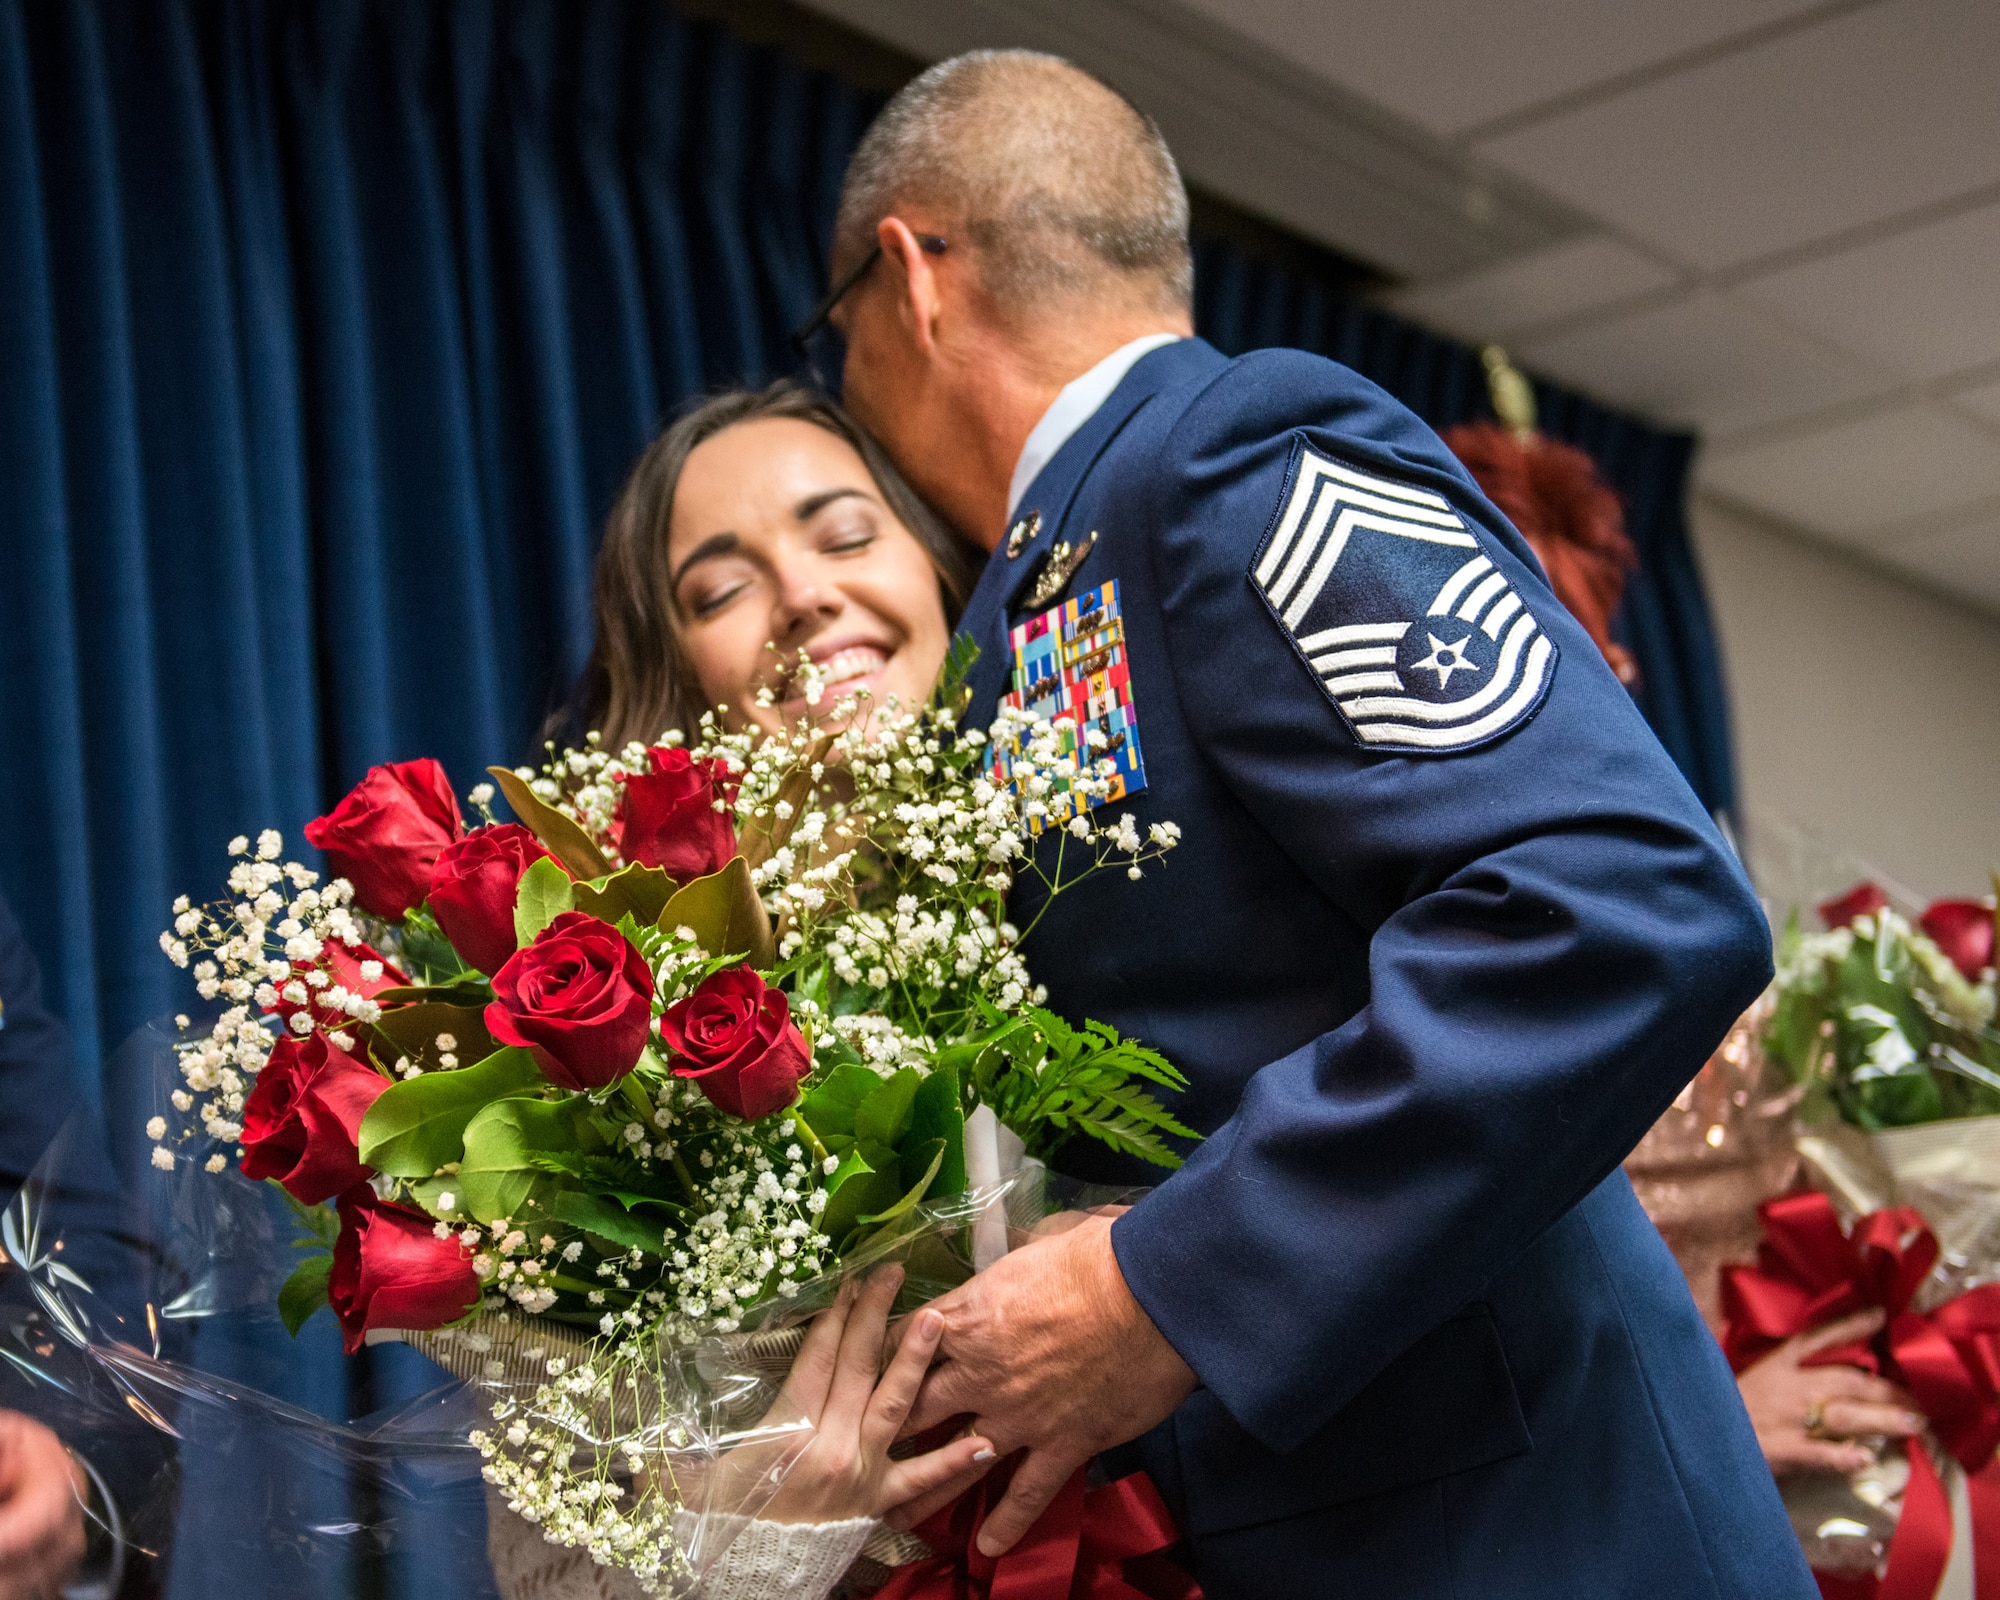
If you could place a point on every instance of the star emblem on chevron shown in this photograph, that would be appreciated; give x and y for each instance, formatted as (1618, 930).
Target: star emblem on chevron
(1415, 636)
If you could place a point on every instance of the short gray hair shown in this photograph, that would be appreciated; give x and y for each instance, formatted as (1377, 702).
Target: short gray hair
(1063, 185)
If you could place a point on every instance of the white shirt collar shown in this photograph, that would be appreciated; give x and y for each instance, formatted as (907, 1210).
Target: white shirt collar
(1075, 406)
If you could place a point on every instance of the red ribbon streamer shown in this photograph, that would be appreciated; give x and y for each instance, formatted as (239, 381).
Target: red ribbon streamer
(1090, 1544)
(1809, 1272)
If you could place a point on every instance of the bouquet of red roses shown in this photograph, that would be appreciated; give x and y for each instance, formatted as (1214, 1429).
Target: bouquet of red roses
(700, 1028)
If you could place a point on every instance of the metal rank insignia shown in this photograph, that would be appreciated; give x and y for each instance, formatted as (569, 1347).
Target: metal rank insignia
(1058, 567)
(1022, 534)
(1069, 666)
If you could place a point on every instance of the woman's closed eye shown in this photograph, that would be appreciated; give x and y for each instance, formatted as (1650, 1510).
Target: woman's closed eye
(704, 594)
(850, 536)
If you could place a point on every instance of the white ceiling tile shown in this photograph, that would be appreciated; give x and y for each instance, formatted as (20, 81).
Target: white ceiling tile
(1531, 290)
(1853, 479)
(1984, 400)
(1923, 303)
(1701, 360)
(1453, 64)
(1870, 114)
(1965, 561)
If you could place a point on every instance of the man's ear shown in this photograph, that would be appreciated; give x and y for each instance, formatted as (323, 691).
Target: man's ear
(914, 272)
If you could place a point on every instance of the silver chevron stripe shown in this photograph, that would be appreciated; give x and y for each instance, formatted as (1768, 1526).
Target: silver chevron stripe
(1517, 678)
(1328, 505)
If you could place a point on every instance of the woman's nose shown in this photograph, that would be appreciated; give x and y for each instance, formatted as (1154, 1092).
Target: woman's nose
(806, 604)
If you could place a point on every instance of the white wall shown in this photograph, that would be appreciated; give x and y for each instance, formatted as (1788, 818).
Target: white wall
(1867, 713)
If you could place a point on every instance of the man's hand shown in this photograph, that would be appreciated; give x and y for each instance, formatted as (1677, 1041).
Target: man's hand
(41, 1511)
(1049, 1352)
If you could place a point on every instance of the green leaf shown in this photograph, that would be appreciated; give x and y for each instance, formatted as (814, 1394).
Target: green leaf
(320, 1222)
(867, 1189)
(416, 1126)
(471, 991)
(829, 1109)
(885, 1115)
(304, 1292)
(413, 1031)
(422, 950)
(607, 1220)
(936, 1113)
(498, 1176)
(725, 913)
(567, 842)
(640, 892)
(1047, 1080)
(545, 893)
(912, 1196)
(853, 1165)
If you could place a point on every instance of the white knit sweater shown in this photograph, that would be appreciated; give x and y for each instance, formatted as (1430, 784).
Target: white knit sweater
(762, 1561)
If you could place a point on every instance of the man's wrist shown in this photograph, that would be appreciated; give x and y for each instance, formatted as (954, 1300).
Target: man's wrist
(1139, 1336)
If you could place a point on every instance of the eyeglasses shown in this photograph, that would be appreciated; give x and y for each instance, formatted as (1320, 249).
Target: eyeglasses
(819, 342)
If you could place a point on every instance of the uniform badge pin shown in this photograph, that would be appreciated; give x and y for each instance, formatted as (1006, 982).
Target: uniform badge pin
(1022, 534)
(1059, 568)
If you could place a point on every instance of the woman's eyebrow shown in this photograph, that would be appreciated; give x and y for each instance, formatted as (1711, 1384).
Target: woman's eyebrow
(814, 503)
(716, 544)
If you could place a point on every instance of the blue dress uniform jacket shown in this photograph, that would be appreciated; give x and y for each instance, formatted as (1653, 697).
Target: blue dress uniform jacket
(1431, 962)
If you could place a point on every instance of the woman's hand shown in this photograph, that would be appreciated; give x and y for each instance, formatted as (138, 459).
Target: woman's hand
(1807, 1417)
(845, 1470)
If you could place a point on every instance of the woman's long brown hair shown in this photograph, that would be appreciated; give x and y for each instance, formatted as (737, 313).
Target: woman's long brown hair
(639, 683)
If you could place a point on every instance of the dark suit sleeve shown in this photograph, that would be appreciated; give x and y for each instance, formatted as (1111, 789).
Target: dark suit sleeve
(1557, 933)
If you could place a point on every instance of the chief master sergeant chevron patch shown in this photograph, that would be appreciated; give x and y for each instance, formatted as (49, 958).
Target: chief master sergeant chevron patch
(1419, 641)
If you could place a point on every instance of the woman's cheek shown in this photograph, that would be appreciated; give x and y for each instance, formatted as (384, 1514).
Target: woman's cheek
(725, 654)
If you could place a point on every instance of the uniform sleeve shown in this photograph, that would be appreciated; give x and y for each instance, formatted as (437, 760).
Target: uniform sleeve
(1556, 933)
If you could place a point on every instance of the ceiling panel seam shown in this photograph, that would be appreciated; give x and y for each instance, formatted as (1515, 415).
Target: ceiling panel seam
(1652, 72)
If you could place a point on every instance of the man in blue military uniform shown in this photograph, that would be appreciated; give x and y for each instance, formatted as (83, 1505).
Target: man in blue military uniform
(1445, 933)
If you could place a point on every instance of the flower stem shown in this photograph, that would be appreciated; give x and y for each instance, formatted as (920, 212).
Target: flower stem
(805, 1127)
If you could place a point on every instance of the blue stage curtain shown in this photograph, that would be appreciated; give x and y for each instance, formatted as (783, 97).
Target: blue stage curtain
(331, 327)
(1242, 304)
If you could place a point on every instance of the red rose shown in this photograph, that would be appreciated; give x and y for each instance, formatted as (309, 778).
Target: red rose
(342, 963)
(386, 835)
(302, 1121)
(1963, 930)
(668, 817)
(580, 997)
(736, 1038)
(1863, 900)
(391, 1270)
(473, 887)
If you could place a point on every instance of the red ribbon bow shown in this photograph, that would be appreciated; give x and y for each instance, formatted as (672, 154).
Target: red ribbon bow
(1809, 1272)
(1090, 1544)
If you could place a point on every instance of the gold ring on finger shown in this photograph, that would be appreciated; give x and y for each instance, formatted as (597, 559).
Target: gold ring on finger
(1816, 1420)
